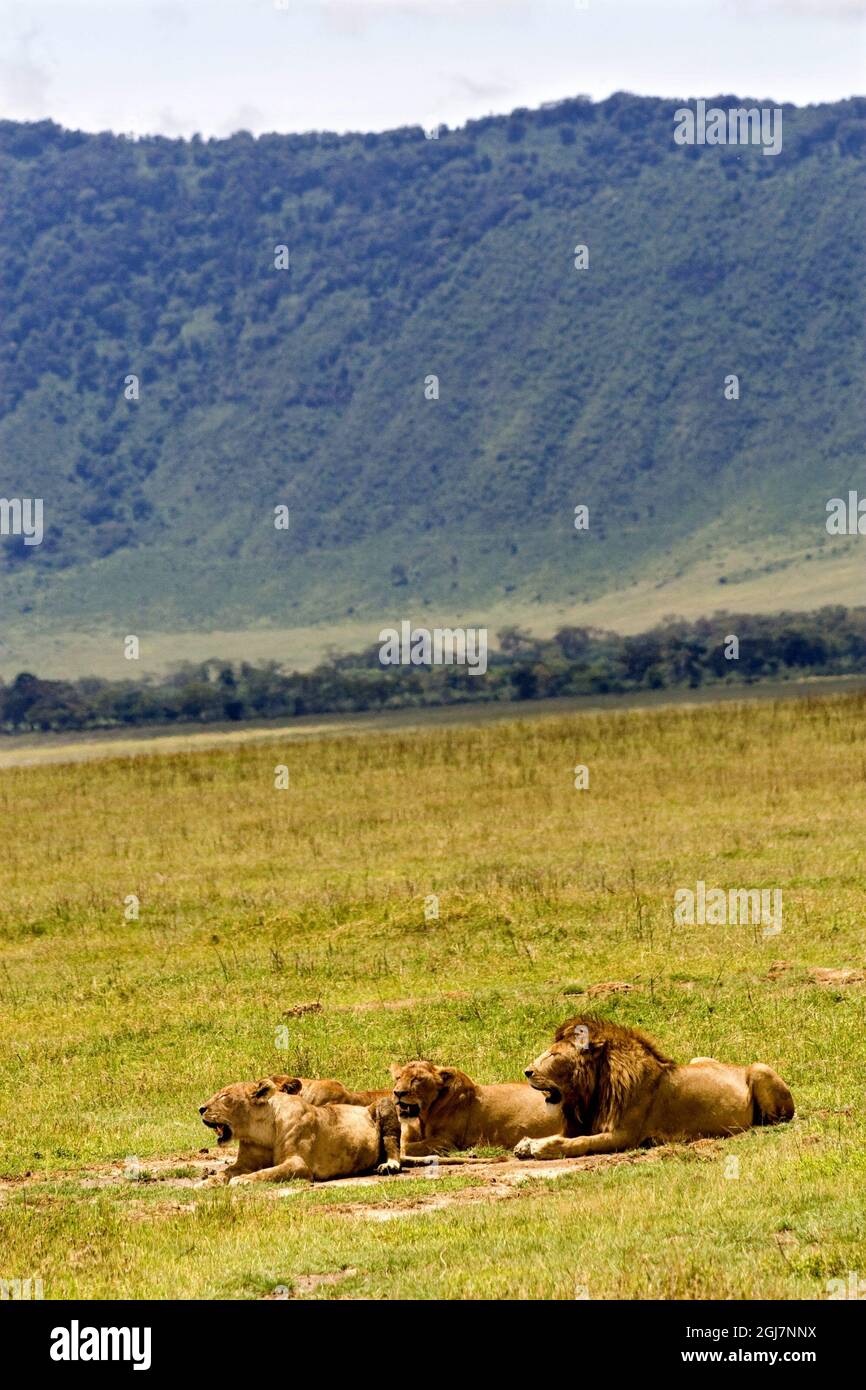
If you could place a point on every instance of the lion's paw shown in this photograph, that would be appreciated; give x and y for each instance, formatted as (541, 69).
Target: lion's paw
(524, 1149)
(391, 1165)
(241, 1178)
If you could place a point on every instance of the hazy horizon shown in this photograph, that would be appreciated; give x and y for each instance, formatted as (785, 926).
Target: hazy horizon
(181, 67)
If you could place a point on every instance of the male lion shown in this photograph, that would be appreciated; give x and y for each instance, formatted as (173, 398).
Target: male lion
(616, 1091)
(283, 1136)
(440, 1108)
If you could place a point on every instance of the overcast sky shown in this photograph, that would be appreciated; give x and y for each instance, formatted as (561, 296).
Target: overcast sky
(179, 66)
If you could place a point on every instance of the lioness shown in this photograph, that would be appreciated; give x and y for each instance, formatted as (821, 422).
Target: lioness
(440, 1108)
(617, 1090)
(283, 1136)
(325, 1091)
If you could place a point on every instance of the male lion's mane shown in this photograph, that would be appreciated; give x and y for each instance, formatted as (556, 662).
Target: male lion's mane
(615, 1063)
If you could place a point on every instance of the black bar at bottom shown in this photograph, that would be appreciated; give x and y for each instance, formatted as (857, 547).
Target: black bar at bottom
(238, 1338)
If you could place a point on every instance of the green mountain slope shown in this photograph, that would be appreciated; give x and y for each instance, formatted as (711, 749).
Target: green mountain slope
(409, 257)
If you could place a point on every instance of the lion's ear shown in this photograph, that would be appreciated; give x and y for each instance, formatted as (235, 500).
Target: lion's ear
(264, 1088)
(445, 1075)
(395, 1070)
(290, 1085)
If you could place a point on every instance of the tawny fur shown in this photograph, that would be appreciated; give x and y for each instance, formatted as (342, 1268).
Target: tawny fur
(325, 1091)
(442, 1109)
(618, 1090)
(281, 1136)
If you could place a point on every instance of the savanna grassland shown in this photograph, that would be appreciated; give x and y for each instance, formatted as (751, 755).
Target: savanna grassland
(255, 901)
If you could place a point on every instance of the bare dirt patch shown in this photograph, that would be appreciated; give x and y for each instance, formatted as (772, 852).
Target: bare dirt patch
(498, 1181)
(154, 1170)
(829, 976)
(778, 969)
(493, 1180)
(817, 974)
(303, 1284)
(298, 1010)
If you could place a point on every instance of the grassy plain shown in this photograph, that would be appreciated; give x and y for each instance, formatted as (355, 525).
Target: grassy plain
(254, 901)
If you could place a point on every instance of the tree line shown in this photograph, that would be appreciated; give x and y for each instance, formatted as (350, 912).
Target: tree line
(725, 649)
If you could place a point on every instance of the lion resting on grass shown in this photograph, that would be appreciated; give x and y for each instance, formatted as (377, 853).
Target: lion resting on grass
(440, 1108)
(282, 1136)
(616, 1090)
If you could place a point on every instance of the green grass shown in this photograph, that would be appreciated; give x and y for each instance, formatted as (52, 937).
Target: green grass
(255, 900)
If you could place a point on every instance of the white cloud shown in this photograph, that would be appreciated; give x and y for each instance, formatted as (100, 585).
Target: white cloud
(246, 117)
(25, 78)
(838, 9)
(490, 89)
(178, 66)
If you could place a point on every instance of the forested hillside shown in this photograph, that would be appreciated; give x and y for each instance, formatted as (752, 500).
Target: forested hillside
(411, 257)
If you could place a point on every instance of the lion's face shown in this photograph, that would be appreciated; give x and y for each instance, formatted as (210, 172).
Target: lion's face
(553, 1072)
(416, 1087)
(242, 1111)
